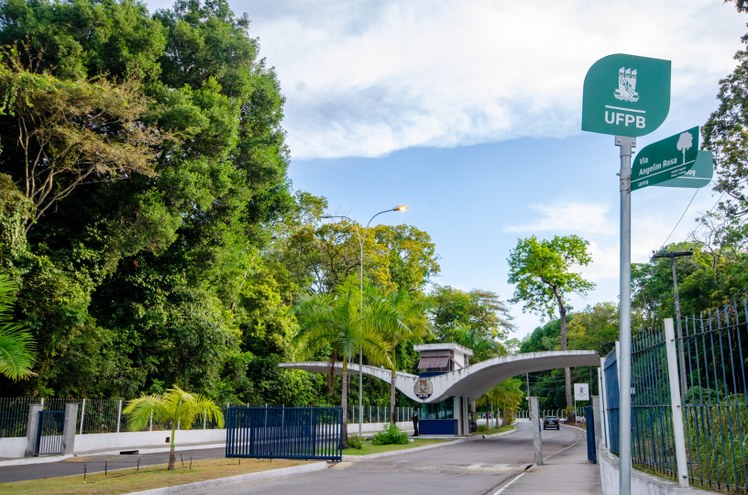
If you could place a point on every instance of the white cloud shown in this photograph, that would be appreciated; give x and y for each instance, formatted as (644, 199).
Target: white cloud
(577, 217)
(368, 78)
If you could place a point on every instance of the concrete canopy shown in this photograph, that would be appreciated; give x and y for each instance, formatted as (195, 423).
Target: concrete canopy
(473, 381)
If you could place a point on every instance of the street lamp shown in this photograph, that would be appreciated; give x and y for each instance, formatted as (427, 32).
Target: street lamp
(361, 239)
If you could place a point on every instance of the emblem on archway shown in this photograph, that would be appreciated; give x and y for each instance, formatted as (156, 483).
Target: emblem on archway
(423, 388)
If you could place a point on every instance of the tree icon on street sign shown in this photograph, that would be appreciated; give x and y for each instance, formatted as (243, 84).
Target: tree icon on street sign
(685, 142)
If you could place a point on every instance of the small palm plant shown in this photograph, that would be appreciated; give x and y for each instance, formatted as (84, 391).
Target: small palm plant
(17, 349)
(175, 406)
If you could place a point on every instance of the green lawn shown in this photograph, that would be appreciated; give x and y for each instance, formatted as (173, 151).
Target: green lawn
(128, 480)
(369, 448)
(482, 430)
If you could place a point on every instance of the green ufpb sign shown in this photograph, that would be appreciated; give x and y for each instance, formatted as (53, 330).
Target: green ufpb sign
(626, 95)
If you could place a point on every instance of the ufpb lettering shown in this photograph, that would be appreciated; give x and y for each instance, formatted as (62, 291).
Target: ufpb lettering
(613, 117)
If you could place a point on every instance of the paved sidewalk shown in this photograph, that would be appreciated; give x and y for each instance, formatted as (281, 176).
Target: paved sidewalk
(565, 473)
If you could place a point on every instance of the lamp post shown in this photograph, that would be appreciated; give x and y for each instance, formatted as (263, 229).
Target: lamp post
(361, 239)
(678, 326)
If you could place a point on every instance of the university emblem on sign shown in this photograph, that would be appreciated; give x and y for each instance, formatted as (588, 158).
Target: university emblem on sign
(626, 95)
(423, 388)
(626, 85)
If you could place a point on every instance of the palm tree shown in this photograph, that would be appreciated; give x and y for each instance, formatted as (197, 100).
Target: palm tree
(17, 349)
(504, 397)
(175, 406)
(333, 324)
(399, 317)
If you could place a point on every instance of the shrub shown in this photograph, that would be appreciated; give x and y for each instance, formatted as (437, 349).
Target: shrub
(355, 442)
(391, 434)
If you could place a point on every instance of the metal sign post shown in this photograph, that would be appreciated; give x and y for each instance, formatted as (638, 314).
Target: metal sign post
(626, 96)
(627, 145)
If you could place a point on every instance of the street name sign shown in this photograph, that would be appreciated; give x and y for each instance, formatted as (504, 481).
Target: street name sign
(665, 159)
(698, 176)
(626, 95)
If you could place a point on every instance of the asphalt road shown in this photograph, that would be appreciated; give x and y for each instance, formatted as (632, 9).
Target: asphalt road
(477, 467)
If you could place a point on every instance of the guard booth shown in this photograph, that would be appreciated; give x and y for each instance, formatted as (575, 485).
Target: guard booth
(449, 416)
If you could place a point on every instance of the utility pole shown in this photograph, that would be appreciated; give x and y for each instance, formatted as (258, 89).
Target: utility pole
(681, 358)
(527, 377)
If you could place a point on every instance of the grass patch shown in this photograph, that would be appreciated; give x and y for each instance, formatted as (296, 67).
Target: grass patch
(128, 480)
(369, 448)
(482, 430)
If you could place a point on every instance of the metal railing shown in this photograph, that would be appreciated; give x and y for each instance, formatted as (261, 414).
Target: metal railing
(715, 346)
(559, 413)
(714, 353)
(105, 415)
(14, 416)
(378, 414)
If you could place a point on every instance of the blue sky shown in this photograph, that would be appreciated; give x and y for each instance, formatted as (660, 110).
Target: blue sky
(469, 112)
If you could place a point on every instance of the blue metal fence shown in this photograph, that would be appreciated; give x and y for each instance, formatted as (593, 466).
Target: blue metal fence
(715, 345)
(714, 353)
(285, 432)
(610, 371)
(652, 438)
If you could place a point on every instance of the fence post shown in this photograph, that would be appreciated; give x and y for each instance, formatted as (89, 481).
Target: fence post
(32, 430)
(604, 438)
(119, 414)
(675, 403)
(83, 415)
(537, 441)
(68, 432)
(597, 414)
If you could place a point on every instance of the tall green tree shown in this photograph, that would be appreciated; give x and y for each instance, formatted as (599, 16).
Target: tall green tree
(477, 320)
(725, 135)
(333, 325)
(394, 256)
(17, 348)
(151, 268)
(71, 133)
(176, 407)
(400, 318)
(595, 328)
(542, 272)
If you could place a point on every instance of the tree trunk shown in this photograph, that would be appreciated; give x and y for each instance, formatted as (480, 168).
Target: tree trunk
(569, 401)
(393, 378)
(172, 453)
(473, 419)
(344, 403)
(567, 371)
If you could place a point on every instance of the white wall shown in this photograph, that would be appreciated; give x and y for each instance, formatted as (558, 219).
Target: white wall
(640, 482)
(12, 447)
(97, 442)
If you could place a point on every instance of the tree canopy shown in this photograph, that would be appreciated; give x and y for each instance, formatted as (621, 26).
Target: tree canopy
(542, 271)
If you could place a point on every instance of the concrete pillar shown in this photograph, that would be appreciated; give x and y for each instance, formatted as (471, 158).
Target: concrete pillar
(598, 421)
(537, 440)
(32, 429)
(68, 430)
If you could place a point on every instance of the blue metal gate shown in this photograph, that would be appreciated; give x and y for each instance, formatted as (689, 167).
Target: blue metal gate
(610, 368)
(49, 433)
(285, 432)
(591, 441)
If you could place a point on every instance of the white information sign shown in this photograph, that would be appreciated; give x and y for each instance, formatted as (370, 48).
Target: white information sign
(581, 391)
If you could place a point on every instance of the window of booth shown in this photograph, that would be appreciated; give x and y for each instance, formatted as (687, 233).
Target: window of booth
(440, 410)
